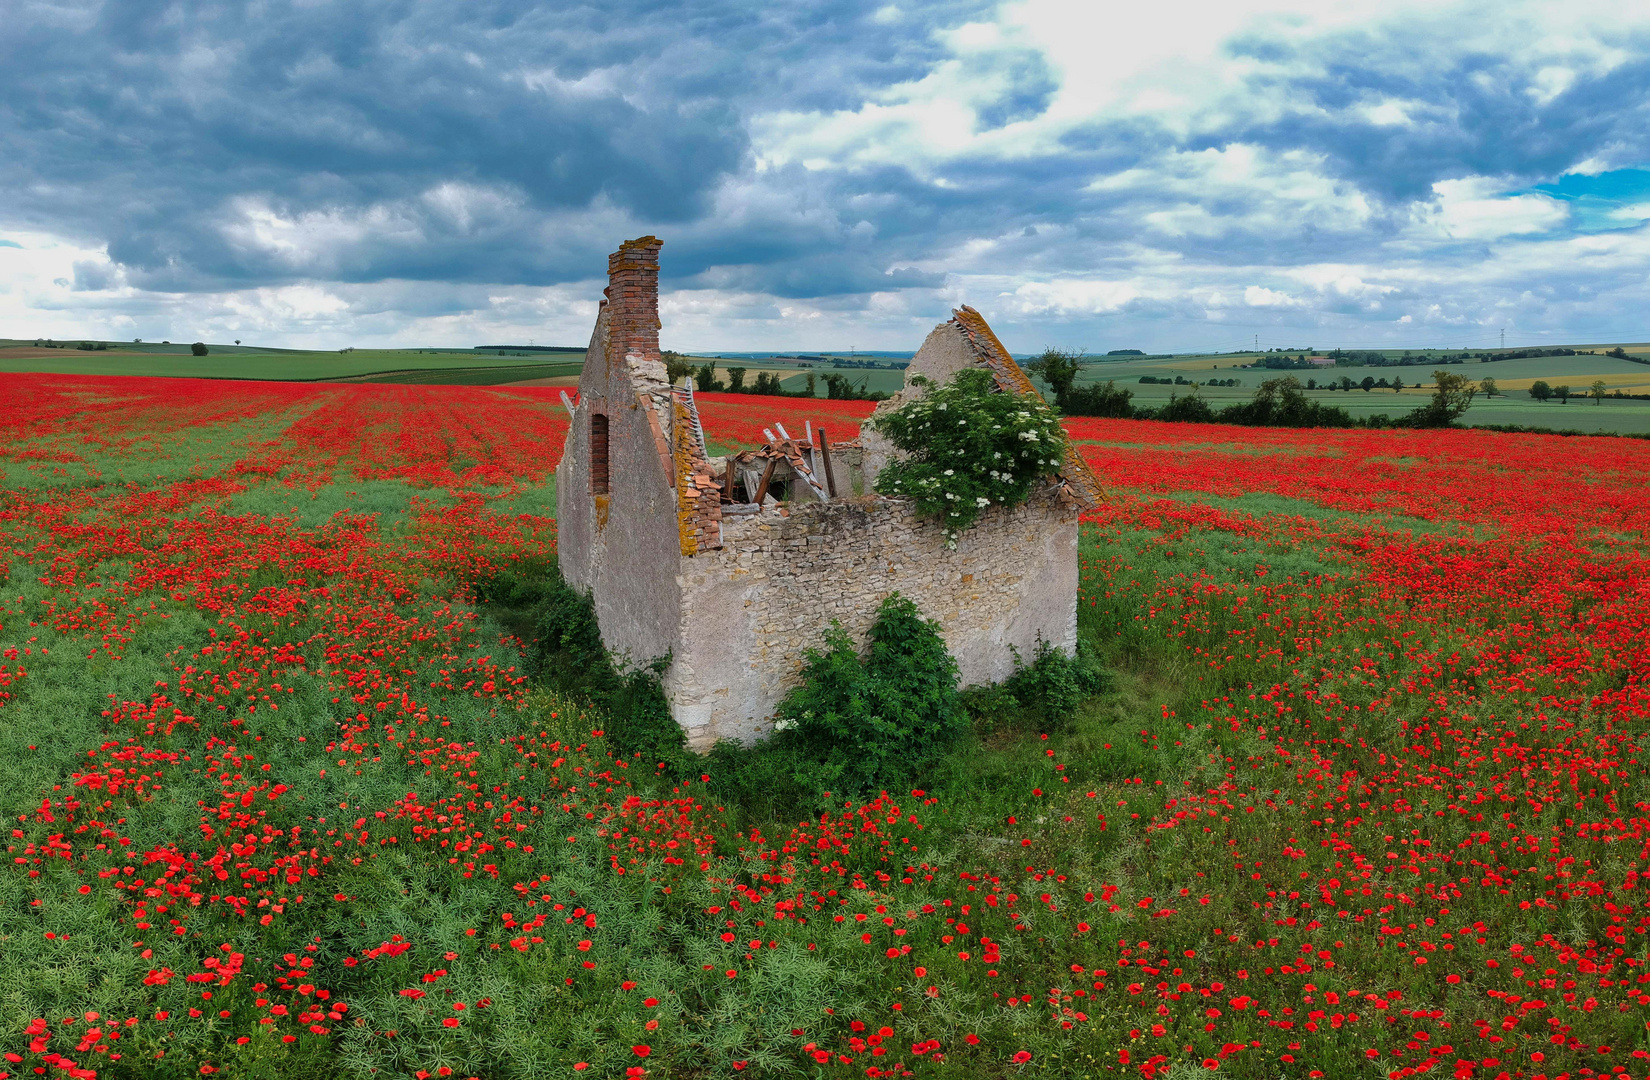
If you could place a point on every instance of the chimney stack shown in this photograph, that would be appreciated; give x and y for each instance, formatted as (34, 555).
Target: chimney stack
(633, 299)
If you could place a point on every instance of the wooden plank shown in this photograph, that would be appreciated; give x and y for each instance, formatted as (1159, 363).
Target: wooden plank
(825, 459)
(693, 410)
(767, 475)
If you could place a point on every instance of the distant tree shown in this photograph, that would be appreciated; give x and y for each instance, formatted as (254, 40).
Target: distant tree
(1397, 383)
(1347, 383)
(1103, 399)
(736, 380)
(1382, 384)
(1058, 368)
(1487, 384)
(705, 379)
(137, 341)
(198, 348)
(841, 388)
(1311, 384)
(1452, 397)
(1282, 402)
(1562, 393)
(237, 341)
(1368, 384)
(677, 366)
(1540, 390)
(767, 382)
(1190, 409)
(1618, 352)
(1598, 390)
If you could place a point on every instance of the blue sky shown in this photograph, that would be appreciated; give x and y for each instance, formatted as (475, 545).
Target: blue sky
(828, 175)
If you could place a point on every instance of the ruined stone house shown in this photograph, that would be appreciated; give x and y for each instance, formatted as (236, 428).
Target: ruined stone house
(734, 566)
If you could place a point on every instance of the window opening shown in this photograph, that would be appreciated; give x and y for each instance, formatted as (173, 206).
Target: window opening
(598, 454)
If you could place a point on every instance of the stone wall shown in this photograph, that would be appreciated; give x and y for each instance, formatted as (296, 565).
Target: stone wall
(750, 610)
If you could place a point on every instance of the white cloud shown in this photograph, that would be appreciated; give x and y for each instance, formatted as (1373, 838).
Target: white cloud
(1387, 114)
(1071, 297)
(1631, 215)
(1261, 297)
(1475, 209)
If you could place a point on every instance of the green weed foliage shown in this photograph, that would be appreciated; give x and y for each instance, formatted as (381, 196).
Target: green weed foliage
(565, 653)
(1053, 685)
(856, 725)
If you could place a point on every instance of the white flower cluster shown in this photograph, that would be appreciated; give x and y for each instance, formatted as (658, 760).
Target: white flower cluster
(951, 473)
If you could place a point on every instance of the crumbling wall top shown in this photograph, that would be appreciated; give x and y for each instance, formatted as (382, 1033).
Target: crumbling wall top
(1074, 484)
(984, 342)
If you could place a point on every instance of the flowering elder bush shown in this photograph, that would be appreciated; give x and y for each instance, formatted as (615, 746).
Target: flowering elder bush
(1370, 800)
(969, 447)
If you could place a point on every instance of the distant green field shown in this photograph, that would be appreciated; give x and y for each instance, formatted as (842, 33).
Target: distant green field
(471, 376)
(228, 362)
(1512, 405)
(794, 376)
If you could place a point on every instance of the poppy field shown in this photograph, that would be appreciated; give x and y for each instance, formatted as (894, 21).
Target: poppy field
(1367, 795)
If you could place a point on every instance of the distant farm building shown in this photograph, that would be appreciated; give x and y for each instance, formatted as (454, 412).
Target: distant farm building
(735, 565)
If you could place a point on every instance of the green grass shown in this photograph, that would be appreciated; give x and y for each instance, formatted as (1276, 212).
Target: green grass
(390, 501)
(1047, 814)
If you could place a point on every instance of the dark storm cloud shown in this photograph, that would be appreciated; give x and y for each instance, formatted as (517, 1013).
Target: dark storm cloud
(220, 145)
(1472, 113)
(141, 125)
(92, 276)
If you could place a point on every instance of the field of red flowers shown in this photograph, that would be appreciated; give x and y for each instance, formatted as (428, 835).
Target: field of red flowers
(1368, 796)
